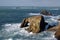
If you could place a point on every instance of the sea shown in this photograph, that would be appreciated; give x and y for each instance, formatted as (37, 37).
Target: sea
(12, 17)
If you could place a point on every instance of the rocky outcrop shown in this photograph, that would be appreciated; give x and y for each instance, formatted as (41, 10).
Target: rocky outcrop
(35, 24)
(45, 12)
(57, 30)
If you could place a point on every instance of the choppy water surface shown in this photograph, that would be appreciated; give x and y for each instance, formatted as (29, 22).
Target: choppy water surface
(14, 32)
(10, 21)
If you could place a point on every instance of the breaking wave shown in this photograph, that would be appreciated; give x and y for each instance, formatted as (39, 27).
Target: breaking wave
(34, 13)
(14, 32)
(51, 20)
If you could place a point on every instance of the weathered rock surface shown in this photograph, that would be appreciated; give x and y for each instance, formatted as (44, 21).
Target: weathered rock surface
(35, 24)
(45, 12)
(57, 30)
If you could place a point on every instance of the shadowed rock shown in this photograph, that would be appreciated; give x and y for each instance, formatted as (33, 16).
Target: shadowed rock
(58, 19)
(35, 24)
(45, 12)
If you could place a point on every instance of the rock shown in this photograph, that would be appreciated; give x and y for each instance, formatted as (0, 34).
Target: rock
(58, 19)
(51, 26)
(45, 12)
(57, 30)
(35, 24)
(57, 35)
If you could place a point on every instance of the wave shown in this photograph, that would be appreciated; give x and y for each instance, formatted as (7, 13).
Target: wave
(13, 31)
(31, 14)
(55, 18)
(34, 13)
(55, 9)
(51, 20)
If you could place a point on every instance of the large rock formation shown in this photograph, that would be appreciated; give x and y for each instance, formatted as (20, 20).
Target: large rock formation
(45, 12)
(35, 24)
(57, 30)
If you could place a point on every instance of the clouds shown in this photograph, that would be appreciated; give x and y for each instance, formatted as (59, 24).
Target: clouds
(47, 3)
(9, 2)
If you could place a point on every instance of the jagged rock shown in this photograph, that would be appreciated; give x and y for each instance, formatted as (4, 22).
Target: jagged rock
(57, 30)
(35, 24)
(45, 12)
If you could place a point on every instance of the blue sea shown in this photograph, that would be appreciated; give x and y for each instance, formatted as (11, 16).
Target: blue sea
(11, 19)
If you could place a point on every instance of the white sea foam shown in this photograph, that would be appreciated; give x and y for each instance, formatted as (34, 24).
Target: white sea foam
(34, 13)
(55, 9)
(11, 30)
(55, 18)
(50, 18)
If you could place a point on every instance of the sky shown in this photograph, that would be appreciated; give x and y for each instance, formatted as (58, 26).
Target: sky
(41, 3)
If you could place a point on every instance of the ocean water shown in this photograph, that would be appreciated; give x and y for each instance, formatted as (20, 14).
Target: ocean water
(11, 18)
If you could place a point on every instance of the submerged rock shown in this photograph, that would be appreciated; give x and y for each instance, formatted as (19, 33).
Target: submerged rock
(45, 12)
(35, 24)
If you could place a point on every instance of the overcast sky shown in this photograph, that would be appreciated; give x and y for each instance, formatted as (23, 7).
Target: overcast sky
(43, 3)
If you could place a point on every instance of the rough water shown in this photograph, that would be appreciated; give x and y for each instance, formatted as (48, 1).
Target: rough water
(10, 21)
(14, 32)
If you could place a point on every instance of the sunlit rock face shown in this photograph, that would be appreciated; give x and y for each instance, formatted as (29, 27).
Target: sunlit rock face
(35, 24)
(45, 12)
(57, 30)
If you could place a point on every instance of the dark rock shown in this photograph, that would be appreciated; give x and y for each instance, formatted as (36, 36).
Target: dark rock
(36, 24)
(51, 26)
(45, 12)
(58, 19)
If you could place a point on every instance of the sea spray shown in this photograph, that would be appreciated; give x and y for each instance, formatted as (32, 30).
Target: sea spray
(14, 32)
